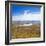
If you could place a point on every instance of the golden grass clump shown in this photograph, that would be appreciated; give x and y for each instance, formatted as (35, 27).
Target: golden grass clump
(25, 31)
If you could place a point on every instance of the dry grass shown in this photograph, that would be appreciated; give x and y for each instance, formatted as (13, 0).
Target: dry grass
(25, 31)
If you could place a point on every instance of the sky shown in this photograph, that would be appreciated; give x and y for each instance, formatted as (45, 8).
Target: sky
(21, 13)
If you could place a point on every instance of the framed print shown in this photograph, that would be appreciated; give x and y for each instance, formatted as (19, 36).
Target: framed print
(24, 22)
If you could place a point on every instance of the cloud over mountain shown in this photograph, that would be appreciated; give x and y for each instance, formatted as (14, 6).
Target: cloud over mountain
(26, 16)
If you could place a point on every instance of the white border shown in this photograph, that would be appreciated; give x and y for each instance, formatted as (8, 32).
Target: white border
(29, 39)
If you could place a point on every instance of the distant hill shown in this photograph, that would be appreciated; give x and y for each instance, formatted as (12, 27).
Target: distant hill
(25, 22)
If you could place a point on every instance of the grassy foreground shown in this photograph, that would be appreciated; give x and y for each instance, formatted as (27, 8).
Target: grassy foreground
(25, 31)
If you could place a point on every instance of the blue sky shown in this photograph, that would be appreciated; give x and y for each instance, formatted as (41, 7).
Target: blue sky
(17, 10)
(21, 13)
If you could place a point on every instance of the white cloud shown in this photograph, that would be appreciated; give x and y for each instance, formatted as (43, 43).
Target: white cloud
(26, 16)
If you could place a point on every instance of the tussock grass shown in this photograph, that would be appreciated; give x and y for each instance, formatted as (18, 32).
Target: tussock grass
(25, 31)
